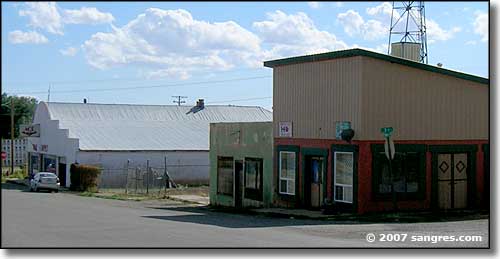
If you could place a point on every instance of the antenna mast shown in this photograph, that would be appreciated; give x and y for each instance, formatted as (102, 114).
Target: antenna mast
(408, 26)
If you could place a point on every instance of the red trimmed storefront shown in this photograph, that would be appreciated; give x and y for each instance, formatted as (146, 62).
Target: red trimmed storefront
(430, 188)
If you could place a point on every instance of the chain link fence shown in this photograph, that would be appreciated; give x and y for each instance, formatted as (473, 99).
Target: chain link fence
(135, 180)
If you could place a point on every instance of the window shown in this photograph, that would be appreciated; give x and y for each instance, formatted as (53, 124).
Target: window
(225, 175)
(253, 178)
(287, 172)
(343, 168)
(408, 169)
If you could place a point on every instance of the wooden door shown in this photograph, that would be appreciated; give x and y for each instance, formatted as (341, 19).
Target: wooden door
(452, 181)
(444, 180)
(460, 181)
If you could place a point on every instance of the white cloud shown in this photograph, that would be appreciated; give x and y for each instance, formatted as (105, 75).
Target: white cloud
(382, 48)
(172, 72)
(352, 22)
(19, 37)
(471, 42)
(436, 33)
(43, 15)
(87, 15)
(384, 9)
(70, 51)
(383, 13)
(47, 16)
(173, 43)
(293, 34)
(355, 25)
(481, 25)
(314, 5)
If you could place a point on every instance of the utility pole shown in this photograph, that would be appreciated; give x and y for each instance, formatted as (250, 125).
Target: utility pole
(178, 101)
(12, 134)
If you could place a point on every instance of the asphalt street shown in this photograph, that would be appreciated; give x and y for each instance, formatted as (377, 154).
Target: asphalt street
(59, 220)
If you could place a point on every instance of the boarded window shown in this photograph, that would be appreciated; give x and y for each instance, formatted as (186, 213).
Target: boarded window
(225, 175)
(287, 171)
(253, 178)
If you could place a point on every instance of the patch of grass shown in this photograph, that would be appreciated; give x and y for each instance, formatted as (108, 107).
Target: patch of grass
(18, 174)
(114, 196)
(87, 194)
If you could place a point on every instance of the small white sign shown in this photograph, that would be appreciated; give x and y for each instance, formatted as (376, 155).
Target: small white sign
(30, 130)
(285, 129)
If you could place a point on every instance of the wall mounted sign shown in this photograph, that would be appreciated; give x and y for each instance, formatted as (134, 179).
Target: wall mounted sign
(340, 126)
(30, 130)
(285, 129)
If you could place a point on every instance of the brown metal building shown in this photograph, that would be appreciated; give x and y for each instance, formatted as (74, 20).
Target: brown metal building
(440, 120)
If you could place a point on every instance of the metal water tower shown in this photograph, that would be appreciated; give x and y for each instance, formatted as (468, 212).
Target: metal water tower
(407, 34)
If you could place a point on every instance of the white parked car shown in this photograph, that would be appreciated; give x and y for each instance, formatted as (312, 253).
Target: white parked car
(46, 181)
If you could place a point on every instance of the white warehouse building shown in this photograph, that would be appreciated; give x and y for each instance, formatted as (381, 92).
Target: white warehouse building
(108, 135)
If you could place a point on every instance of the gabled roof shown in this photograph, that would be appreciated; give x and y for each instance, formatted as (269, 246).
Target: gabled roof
(123, 127)
(366, 53)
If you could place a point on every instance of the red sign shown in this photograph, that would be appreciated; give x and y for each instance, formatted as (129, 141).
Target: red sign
(4, 155)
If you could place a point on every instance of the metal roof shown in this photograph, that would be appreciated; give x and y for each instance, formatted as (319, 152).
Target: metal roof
(123, 127)
(366, 53)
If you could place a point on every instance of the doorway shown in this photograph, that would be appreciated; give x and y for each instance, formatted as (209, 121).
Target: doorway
(62, 174)
(238, 181)
(313, 181)
(452, 179)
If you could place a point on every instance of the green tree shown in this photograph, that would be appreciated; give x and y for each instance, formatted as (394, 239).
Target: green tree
(24, 108)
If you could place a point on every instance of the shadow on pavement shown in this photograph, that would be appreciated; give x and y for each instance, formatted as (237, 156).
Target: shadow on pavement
(231, 218)
(22, 188)
(206, 216)
(10, 186)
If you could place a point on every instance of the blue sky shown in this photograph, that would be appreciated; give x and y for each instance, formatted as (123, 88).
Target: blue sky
(205, 50)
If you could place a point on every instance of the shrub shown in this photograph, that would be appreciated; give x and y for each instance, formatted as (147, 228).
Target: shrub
(84, 177)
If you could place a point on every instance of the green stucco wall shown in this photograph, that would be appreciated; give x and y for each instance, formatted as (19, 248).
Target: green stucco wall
(240, 141)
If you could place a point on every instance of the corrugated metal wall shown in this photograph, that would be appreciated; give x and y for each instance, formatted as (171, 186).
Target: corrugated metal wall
(420, 105)
(316, 94)
(371, 93)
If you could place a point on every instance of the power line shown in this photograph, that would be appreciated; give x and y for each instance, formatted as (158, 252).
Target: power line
(242, 100)
(146, 87)
(110, 79)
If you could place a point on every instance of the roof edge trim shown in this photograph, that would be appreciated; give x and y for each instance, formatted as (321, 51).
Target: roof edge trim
(366, 53)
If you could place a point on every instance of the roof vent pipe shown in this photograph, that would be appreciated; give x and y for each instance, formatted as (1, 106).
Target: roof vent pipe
(200, 103)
